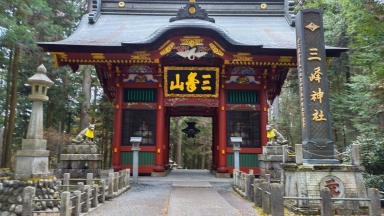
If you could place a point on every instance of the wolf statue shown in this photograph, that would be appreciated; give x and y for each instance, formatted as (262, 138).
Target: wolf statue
(86, 136)
(274, 137)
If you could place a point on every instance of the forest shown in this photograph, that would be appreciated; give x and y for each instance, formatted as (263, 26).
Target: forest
(356, 84)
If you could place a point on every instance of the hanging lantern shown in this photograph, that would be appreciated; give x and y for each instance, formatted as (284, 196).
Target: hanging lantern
(190, 131)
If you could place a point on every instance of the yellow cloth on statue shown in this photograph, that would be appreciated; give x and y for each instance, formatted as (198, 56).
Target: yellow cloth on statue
(89, 133)
(270, 134)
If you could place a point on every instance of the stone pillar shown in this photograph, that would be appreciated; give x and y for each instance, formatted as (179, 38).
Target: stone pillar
(77, 208)
(277, 201)
(29, 195)
(355, 158)
(135, 148)
(326, 205)
(265, 197)
(222, 131)
(65, 202)
(299, 153)
(375, 208)
(159, 129)
(117, 127)
(32, 159)
(249, 189)
(236, 141)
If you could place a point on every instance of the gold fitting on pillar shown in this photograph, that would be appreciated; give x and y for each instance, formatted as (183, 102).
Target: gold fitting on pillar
(222, 86)
(117, 106)
(265, 109)
(222, 108)
(159, 107)
(158, 151)
(160, 86)
(114, 150)
(222, 151)
(117, 85)
(265, 87)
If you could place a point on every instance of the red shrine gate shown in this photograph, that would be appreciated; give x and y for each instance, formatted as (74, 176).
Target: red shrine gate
(153, 65)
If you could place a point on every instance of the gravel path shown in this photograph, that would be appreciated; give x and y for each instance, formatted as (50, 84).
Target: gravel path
(154, 198)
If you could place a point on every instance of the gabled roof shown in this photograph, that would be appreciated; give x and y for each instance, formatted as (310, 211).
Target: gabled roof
(113, 25)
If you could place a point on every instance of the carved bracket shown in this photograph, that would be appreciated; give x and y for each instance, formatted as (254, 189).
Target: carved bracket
(192, 11)
(96, 11)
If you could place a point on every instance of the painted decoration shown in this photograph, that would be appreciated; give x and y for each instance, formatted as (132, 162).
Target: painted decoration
(334, 184)
(242, 80)
(139, 69)
(243, 71)
(191, 53)
(140, 78)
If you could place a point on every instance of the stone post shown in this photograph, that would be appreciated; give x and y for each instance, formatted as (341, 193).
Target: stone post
(265, 198)
(234, 177)
(121, 178)
(87, 198)
(136, 148)
(236, 141)
(277, 201)
(128, 177)
(77, 208)
(65, 203)
(102, 191)
(89, 178)
(116, 182)
(257, 194)
(67, 176)
(249, 190)
(299, 153)
(326, 205)
(374, 195)
(355, 158)
(268, 178)
(243, 184)
(80, 186)
(29, 195)
(95, 197)
(285, 153)
(110, 184)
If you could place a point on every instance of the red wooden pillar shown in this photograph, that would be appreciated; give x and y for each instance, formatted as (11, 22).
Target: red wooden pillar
(263, 116)
(214, 143)
(222, 135)
(160, 129)
(166, 144)
(117, 127)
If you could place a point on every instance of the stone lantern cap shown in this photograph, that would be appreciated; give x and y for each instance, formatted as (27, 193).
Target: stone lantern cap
(40, 77)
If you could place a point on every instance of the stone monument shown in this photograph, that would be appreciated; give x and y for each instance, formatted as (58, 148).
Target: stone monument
(33, 158)
(316, 166)
(82, 156)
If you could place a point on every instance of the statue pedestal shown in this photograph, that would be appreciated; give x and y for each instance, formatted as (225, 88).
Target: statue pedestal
(32, 161)
(270, 162)
(82, 159)
(344, 181)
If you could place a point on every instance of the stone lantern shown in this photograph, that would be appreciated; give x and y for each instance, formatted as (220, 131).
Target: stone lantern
(32, 160)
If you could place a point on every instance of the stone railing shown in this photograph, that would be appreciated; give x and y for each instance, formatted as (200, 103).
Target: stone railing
(269, 196)
(60, 197)
(242, 183)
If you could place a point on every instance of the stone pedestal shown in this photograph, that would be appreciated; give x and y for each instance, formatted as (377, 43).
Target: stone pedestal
(270, 162)
(32, 161)
(344, 181)
(80, 160)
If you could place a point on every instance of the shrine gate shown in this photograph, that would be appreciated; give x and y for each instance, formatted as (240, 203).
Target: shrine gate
(221, 59)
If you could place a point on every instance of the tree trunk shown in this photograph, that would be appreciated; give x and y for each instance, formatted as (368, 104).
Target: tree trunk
(6, 108)
(178, 159)
(85, 104)
(202, 158)
(12, 114)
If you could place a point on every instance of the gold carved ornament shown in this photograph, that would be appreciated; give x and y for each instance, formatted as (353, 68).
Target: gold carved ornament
(312, 26)
(190, 83)
(57, 56)
(121, 4)
(141, 56)
(263, 6)
(242, 57)
(216, 50)
(98, 56)
(191, 41)
(167, 49)
(192, 10)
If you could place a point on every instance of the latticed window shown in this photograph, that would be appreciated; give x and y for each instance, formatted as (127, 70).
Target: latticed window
(245, 124)
(139, 123)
